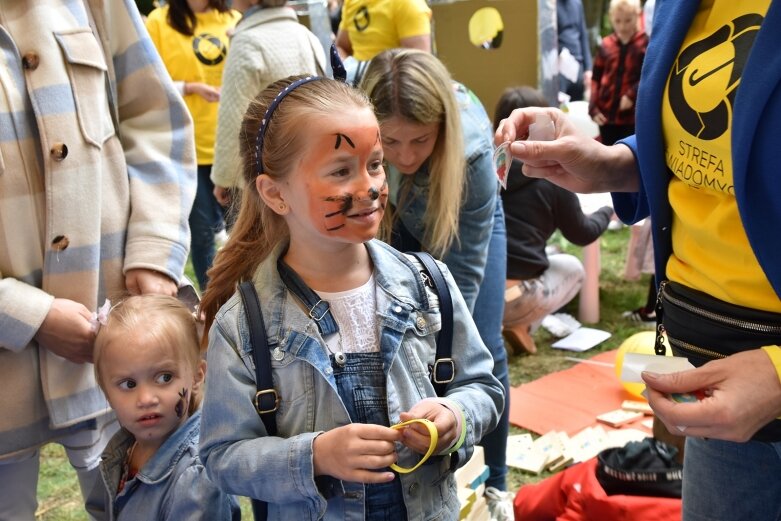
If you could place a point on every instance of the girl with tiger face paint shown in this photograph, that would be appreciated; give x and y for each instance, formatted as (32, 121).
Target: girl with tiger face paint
(347, 321)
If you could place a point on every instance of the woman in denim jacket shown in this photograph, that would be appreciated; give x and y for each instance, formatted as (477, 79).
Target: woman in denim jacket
(347, 370)
(437, 139)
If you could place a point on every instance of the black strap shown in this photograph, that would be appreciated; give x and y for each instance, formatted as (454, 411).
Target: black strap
(444, 369)
(318, 310)
(266, 398)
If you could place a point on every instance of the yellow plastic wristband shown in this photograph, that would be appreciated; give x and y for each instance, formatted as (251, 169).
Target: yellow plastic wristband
(433, 434)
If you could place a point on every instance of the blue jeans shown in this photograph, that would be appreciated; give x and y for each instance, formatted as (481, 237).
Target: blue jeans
(206, 219)
(489, 310)
(361, 385)
(727, 481)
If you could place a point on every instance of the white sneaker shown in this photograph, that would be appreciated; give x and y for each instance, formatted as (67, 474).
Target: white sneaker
(500, 504)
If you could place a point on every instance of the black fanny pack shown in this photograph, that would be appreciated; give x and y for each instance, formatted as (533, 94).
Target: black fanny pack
(703, 328)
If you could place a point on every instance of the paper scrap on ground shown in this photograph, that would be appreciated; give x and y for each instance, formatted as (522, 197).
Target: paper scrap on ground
(582, 339)
(560, 324)
(636, 363)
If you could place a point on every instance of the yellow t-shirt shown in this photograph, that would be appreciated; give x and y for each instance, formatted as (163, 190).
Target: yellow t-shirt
(198, 58)
(376, 25)
(711, 252)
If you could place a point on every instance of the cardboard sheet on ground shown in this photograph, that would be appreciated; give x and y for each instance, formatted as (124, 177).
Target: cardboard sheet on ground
(570, 400)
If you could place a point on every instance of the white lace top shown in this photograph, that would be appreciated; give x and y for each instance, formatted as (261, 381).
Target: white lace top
(355, 313)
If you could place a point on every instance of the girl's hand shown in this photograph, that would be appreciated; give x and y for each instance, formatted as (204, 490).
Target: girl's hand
(599, 118)
(207, 92)
(743, 393)
(351, 452)
(416, 436)
(572, 160)
(625, 103)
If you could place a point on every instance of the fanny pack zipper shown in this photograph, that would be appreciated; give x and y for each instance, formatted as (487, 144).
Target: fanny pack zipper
(686, 346)
(743, 324)
(716, 317)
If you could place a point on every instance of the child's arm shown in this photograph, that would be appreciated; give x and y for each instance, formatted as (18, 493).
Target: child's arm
(234, 444)
(193, 497)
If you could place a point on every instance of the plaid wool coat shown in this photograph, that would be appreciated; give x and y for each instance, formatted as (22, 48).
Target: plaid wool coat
(97, 176)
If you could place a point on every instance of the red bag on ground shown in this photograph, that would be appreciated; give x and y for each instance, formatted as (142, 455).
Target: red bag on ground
(575, 494)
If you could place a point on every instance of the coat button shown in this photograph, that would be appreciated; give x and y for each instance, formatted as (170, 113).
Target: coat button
(420, 323)
(60, 243)
(30, 61)
(59, 151)
(413, 489)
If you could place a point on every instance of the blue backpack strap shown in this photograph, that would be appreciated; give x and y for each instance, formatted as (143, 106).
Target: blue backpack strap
(444, 369)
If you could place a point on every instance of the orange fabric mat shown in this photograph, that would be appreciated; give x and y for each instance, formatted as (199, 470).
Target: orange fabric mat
(570, 400)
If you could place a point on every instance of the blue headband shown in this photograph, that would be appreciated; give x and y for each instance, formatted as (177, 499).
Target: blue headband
(340, 74)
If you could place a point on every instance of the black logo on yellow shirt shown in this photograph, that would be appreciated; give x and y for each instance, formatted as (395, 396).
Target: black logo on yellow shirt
(362, 19)
(698, 66)
(209, 49)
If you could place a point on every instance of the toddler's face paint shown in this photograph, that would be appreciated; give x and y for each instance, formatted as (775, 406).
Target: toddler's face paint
(343, 184)
(181, 405)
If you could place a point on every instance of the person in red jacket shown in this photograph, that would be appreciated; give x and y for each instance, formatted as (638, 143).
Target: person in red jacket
(616, 73)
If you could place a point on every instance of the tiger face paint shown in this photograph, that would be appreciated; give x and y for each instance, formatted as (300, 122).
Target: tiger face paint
(339, 192)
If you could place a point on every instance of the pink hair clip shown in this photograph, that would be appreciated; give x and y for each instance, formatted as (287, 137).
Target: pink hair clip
(101, 316)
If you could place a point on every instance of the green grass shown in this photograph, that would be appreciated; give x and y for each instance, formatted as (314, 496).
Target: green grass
(58, 490)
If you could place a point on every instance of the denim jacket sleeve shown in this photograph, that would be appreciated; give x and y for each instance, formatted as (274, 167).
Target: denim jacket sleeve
(467, 256)
(234, 444)
(196, 498)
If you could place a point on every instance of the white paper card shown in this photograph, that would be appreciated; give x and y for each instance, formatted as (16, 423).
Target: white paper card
(542, 129)
(636, 363)
(582, 339)
(568, 65)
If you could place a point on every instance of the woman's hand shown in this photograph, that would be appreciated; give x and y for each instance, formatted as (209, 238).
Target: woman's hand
(223, 195)
(141, 281)
(743, 393)
(352, 452)
(599, 118)
(416, 436)
(207, 92)
(67, 331)
(572, 160)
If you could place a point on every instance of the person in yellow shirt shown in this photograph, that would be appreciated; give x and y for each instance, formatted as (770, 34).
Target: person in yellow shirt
(369, 27)
(192, 39)
(704, 164)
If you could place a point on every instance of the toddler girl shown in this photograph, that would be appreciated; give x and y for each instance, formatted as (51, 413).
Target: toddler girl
(148, 364)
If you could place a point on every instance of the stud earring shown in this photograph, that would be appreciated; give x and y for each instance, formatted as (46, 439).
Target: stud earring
(282, 206)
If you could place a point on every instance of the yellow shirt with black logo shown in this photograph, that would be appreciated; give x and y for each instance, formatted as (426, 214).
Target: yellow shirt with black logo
(198, 58)
(711, 252)
(376, 25)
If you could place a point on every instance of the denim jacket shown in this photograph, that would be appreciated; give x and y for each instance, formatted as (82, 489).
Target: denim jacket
(467, 257)
(172, 485)
(242, 459)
